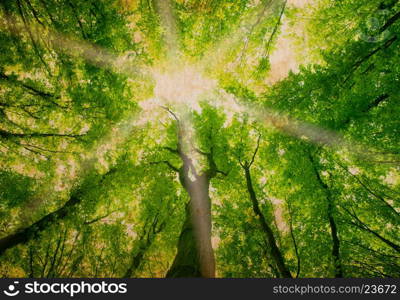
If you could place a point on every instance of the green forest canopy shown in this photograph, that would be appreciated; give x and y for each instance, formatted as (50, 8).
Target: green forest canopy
(199, 138)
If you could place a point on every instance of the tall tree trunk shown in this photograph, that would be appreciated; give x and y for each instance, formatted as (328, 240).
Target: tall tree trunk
(146, 239)
(195, 256)
(275, 251)
(335, 241)
(136, 260)
(332, 224)
(186, 262)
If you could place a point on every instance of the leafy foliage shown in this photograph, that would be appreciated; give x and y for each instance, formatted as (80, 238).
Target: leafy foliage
(102, 176)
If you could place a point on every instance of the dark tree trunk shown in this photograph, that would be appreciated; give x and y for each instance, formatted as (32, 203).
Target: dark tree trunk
(332, 224)
(24, 235)
(275, 251)
(146, 239)
(335, 241)
(136, 261)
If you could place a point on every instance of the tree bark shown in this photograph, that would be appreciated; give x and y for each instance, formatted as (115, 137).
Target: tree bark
(24, 235)
(136, 260)
(186, 262)
(275, 251)
(361, 225)
(335, 241)
(338, 272)
(146, 239)
(195, 255)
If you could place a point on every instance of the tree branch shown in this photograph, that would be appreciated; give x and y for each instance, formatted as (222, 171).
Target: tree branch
(9, 135)
(255, 152)
(165, 162)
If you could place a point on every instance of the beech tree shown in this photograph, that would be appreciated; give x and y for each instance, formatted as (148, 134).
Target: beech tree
(199, 138)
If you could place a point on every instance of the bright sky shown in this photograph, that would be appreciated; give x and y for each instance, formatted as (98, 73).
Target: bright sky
(284, 59)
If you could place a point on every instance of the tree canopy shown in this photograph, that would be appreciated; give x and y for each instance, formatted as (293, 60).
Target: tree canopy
(199, 138)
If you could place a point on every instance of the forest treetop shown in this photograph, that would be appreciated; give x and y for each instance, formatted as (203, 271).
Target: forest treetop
(185, 138)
